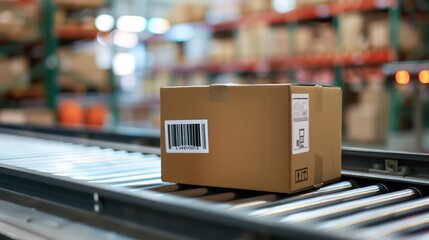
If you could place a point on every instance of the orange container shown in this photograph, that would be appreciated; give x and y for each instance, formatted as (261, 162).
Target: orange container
(70, 114)
(96, 116)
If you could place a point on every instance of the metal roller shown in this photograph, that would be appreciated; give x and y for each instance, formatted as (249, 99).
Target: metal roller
(269, 199)
(142, 183)
(125, 173)
(196, 192)
(95, 163)
(418, 236)
(395, 227)
(127, 179)
(352, 206)
(220, 197)
(163, 188)
(54, 157)
(253, 201)
(320, 201)
(105, 168)
(331, 188)
(43, 162)
(44, 153)
(376, 215)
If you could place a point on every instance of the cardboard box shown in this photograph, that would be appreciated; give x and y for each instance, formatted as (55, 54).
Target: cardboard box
(243, 136)
(367, 121)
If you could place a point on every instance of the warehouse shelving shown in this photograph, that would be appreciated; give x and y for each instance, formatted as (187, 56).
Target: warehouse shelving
(52, 36)
(305, 13)
(299, 14)
(337, 58)
(335, 63)
(307, 60)
(38, 67)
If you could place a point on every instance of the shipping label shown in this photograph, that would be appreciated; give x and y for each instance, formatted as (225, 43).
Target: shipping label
(300, 123)
(186, 136)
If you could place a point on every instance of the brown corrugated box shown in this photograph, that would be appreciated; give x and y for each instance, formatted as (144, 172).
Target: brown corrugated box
(247, 132)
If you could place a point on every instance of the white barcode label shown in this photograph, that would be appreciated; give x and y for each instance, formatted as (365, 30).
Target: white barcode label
(300, 127)
(186, 136)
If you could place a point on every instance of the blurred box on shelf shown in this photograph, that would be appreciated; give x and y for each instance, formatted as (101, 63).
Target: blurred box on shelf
(255, 6)
(325, 40)
(305, 3)
(410, 37)
(303, 39)
(79, 69)
(222, 50)
(143, 115)
(166, 54)
(187, 12)
(252, 42)
(60, 17)
(279, 138)
(80, 3)
(28, 116)
(367, 122)
(39, 117)
(315, 38)
(277, 43)
(222, 11)
(352, 34)
(12, 116)
(19, 22)
(14, 69)
(379, 33)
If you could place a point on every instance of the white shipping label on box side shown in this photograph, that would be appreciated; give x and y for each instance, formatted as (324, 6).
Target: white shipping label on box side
(186, 136)
(300, 123)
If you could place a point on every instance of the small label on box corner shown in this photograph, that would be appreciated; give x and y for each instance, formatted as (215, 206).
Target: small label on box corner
(300, 123)
(186, 136)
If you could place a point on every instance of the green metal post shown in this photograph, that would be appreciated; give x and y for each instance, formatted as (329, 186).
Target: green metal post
(394, 18)
(51, 60)
(338, 70)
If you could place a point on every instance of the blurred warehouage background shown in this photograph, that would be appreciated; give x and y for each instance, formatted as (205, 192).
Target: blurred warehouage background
(99, 64)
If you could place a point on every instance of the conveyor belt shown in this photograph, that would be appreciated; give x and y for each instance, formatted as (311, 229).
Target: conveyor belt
(346, 209)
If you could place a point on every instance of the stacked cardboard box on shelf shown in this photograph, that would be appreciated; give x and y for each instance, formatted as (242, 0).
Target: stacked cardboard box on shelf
(13, 70)
(30, 116)
(305, 3)
(255, 6)
(19, 22)
(166, 53)
(187, 12)
(360, 31)
(79, 70)
(367, 121)
(80, 3)
(410, 37)
(315, 38)
(84, 20)
(352, 32)
(261, 41)
(222, 50)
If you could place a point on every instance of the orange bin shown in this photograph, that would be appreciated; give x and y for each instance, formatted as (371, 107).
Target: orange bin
(95, 116)
(70, 114)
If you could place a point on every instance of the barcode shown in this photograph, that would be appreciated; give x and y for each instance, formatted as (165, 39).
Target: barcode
(186, 136)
